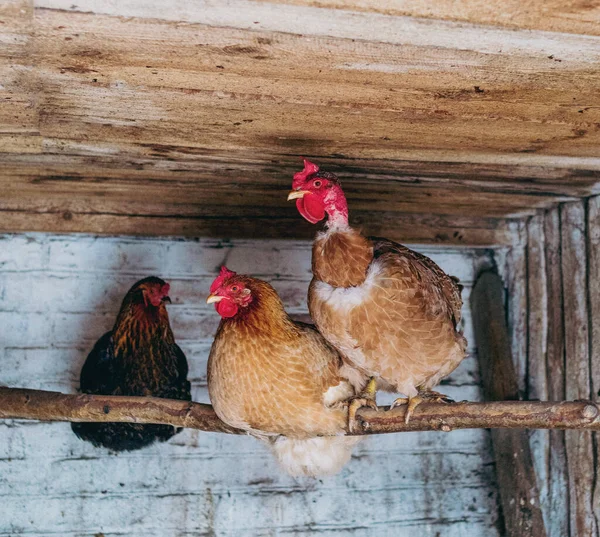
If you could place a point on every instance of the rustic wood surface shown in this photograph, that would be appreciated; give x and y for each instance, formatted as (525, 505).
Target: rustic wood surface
(553, 15)
(516, 476)
(558, 481)
(537, 333)
(593, 250)
(129, 118)
(20, 403)
(579, 445)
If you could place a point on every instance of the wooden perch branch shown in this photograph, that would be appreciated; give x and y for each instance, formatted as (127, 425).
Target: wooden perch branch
(16, 403)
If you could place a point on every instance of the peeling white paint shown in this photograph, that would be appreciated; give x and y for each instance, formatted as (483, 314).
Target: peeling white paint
(58, 294)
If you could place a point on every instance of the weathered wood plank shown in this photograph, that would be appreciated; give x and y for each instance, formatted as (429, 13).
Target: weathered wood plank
(593, 248)
(580, 457)
(434, 229)
(553, 15)
(516, 475)
(139, 90)
(517, 304)
(558, 481)
(537, 333)
(277, 16)
(183, 108)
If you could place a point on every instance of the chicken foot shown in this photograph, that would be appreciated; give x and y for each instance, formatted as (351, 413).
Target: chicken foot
(428, 396)
(364, 398)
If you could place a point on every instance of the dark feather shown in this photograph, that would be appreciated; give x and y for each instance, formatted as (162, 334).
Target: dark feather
(143, 360)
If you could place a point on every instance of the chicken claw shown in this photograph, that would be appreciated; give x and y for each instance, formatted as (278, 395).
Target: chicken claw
(427, 396)
(365, 399)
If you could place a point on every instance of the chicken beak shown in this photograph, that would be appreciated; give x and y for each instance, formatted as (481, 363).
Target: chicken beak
(214, 298)
(166, 299)
(296, 194)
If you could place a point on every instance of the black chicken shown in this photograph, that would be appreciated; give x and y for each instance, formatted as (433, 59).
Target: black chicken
(138, 357)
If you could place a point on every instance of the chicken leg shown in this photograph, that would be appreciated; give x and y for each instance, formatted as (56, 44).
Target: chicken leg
(365, 398)
(428, 396)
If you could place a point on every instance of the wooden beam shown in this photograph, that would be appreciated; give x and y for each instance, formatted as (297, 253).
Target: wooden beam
(516, 474)
(558, 480)
(580, 456)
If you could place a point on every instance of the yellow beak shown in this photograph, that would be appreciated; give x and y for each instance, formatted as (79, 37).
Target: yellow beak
(295, 194)
(214, 298)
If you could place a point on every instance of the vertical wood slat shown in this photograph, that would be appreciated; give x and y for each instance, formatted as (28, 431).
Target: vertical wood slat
(517, 306)
(577, 369)
(516, 474)
(557, 508)
(537, 329)
(593, 229)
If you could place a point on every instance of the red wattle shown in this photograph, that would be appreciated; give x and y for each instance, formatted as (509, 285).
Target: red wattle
(226, 308)
(311, 208)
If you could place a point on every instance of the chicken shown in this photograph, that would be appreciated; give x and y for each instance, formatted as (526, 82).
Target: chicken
(392, 313)
(138, 357)
(277, 379)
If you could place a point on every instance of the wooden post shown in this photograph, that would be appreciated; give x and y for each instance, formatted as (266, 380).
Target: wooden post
(593, 233)
(580, 458)
(516, 475)
(558, 481)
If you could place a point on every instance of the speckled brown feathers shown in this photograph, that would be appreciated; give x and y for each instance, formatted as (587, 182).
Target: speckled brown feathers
(281, 381)
(269, 374)
(399, 323)
(342, 259)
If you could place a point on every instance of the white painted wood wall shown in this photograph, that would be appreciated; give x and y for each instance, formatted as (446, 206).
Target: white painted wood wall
(58, 294)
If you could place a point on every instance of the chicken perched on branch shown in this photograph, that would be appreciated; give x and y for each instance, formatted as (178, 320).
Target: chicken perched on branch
(391, 312)
(277, 379)
(138, 357)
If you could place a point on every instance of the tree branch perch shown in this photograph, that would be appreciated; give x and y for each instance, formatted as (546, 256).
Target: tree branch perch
(17, 403)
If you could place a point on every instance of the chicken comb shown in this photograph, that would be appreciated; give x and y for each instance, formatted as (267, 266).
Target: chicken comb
(225, 274)
(300, 177)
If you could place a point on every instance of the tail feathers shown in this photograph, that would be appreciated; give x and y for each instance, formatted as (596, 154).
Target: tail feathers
(313, 457)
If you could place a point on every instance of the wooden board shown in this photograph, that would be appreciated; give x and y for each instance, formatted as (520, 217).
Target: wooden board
(593, 247)
(517, 479)
(122, 112)
(558, 480)
(579, 445)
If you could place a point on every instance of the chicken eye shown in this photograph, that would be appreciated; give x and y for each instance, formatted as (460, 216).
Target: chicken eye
(317, 183)
(234, 288)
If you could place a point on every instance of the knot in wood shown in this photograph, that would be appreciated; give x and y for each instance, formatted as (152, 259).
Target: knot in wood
(590, 411)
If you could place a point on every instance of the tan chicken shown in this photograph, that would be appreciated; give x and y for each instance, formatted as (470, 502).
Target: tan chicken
(277, 379)
(392, 313)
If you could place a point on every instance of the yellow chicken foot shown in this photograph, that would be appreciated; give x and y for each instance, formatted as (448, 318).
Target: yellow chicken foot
(365, 398)
(427, 396)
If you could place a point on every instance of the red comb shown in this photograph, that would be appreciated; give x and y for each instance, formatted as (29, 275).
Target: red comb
(165, 289)
(225, 274)
(300, 177)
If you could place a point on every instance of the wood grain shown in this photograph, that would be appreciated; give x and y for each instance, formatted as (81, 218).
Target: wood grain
(516, 474)
(558, 479)
(580, 456)
(578, 17)
(204, 111)
(537, 333)
(593, 249)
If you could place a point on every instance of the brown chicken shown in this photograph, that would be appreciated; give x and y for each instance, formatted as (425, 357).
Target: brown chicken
(392, 313)
(277, 379)
(138, 357)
